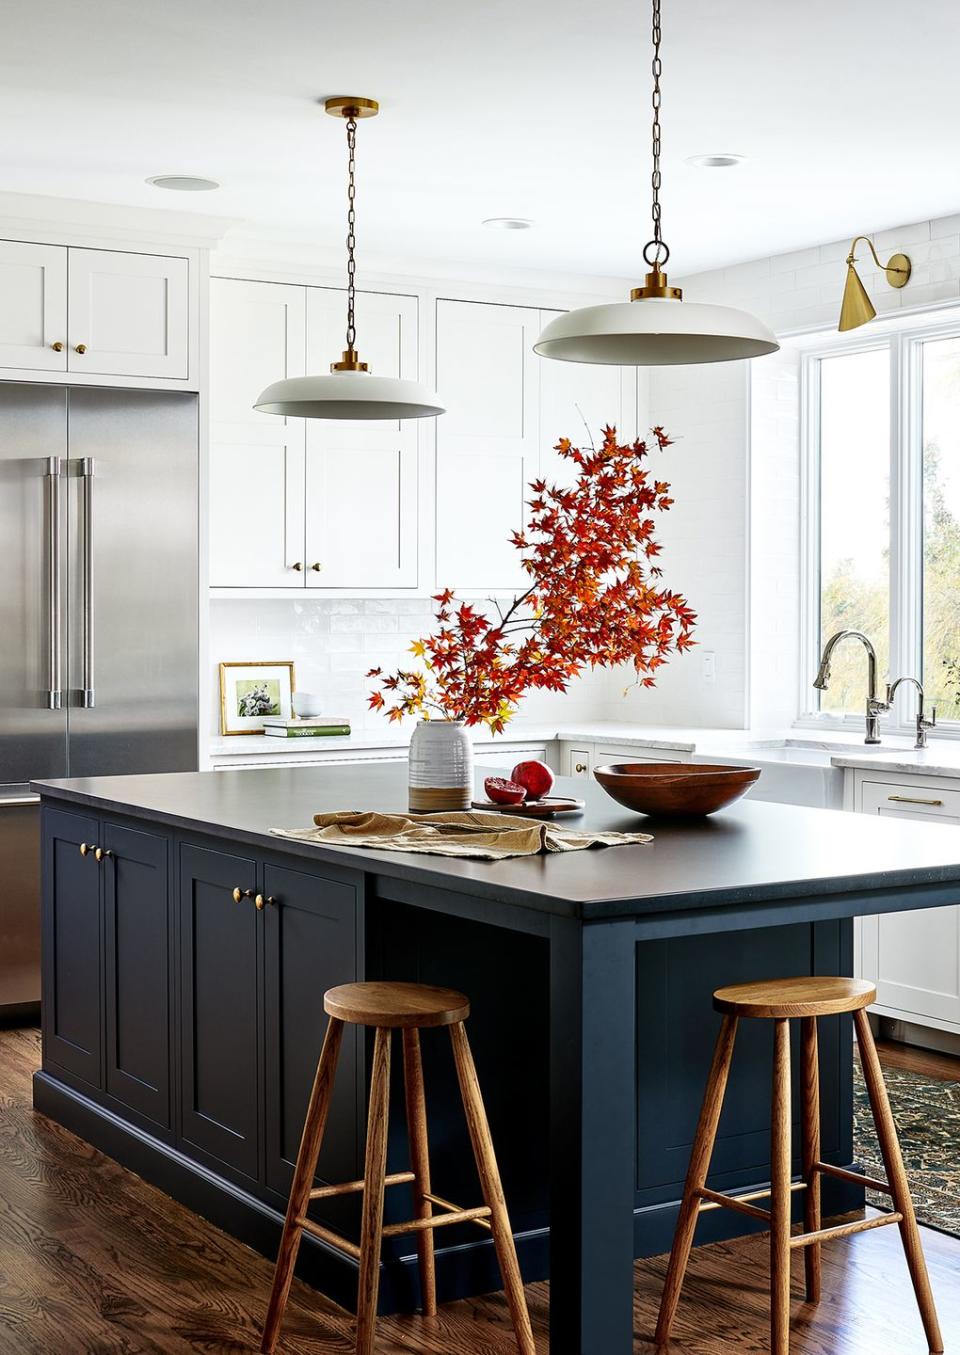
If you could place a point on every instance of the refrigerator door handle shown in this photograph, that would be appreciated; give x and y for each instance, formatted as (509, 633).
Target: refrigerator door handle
(54, 693)
(87, 681)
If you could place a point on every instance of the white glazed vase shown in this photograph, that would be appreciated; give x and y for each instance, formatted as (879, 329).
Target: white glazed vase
(441, 766)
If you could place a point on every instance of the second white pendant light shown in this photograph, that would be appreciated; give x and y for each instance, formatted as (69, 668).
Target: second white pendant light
(350, 391)
(655, 327)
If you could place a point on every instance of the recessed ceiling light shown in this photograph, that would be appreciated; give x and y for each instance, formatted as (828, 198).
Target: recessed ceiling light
(508, 223)
(183, 183)
(720, 160)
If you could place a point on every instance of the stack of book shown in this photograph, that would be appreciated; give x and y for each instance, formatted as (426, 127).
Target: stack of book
(307, 727)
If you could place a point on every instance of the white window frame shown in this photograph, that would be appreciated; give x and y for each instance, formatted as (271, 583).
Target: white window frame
(903, 340)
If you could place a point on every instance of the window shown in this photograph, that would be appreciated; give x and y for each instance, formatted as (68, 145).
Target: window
(882, 439)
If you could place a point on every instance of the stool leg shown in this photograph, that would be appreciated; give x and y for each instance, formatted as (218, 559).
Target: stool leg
(780, 1193)
(491, 1187)
(375, 1170)
(420, 1165)
(897, 1179)
(697, 1170)
(310, 1142)
(810, 1102)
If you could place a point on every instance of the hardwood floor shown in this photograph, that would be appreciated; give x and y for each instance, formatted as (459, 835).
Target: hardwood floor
(95, 1262)
(926, 1062)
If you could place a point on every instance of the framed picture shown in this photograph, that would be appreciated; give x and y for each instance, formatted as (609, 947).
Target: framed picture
(249, 691)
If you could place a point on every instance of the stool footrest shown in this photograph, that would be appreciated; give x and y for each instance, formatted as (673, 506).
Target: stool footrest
(326, 1235)
(841, 1173)
(845, 1229)
(352, 1187)
(740, 1204)
(453, 1208)
(452, 1215)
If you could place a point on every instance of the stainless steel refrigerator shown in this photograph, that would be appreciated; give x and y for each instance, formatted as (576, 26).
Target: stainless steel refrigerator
(99, 614)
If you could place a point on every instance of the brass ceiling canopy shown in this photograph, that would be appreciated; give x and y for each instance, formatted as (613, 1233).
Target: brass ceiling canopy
(857, 309)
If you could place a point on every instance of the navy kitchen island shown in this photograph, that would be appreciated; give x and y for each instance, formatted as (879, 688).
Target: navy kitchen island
(186, 951)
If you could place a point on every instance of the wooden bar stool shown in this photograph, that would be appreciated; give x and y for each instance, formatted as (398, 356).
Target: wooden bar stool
(780, 1001)
(410, 1008)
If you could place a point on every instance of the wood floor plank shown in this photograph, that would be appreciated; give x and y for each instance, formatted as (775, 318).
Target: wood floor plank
(93, 1261)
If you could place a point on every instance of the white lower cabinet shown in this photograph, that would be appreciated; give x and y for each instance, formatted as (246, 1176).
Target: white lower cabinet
(913, 958)
(579, 759)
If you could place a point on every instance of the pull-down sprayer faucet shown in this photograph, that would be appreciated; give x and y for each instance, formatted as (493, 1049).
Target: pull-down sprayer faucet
(874, 707)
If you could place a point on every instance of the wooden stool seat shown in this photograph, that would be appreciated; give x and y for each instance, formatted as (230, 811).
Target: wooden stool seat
(784, 999)
(396, 1006)
(781, 1000)
(407, 1007)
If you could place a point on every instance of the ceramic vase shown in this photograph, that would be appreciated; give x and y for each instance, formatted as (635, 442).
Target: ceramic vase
(441, 766)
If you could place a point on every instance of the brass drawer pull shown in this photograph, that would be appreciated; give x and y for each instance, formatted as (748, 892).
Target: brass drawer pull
(912, 800)
(298, 566)
(239, 894)
(81, 348)
(57, 347)
(260, 901)
(103, 853)
(84, 848)
(580, 767)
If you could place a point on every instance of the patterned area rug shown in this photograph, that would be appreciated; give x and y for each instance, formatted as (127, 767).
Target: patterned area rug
(927, 1112)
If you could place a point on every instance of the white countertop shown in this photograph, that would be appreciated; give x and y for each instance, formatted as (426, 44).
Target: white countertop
(800, 746)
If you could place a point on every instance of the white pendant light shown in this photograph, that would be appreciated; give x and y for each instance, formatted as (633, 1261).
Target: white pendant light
(655, 328)
(350, 391)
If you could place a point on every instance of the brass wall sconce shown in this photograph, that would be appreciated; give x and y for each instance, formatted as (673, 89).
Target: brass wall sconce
(857, 308)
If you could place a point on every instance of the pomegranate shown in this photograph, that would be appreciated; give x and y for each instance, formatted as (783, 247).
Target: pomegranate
(504, 792)
(535, 777)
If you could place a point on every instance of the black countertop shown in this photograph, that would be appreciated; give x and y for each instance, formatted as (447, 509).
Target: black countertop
(753, 853)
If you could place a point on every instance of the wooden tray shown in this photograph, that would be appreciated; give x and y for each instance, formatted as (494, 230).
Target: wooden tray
(547, 808)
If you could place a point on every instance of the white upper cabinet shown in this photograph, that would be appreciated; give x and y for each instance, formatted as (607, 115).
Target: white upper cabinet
(577, 400)
(128, 314)
(362, 475)
(257, 335)
(33, 306)
(487, 442)
(308, 503)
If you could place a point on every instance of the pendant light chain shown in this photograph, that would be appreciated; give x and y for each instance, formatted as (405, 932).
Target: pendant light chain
(351, 235)
(660, 251)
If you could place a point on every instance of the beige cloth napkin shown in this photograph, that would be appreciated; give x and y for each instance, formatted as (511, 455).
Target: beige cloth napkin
(481, 835)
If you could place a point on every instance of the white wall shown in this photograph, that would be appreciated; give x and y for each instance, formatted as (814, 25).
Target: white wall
(334, 643)
(739, 432)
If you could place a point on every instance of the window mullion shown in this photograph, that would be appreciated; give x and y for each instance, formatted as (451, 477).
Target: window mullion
(906, 520)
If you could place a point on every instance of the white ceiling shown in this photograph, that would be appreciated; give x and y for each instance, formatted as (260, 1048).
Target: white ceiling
(847, 111)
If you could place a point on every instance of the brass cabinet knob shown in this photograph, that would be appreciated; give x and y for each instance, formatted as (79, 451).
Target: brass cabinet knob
(81, 348)
(298, 566)
(102, 853)
(239, 894)
(580, 767)
(84, 849)
(317, 567)
(260, 901)
(57, 347)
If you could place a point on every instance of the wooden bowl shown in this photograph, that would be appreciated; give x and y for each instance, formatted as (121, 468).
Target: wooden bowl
(675, 789)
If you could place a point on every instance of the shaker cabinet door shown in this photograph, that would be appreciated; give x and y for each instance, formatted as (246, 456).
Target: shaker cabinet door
(914, 958)
(128, 314)
(72, 988)
(362, 475)
(137, 948)
(33, 306)
(488, 375)
(218, 1023)
(309, 945)
(257, 336)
